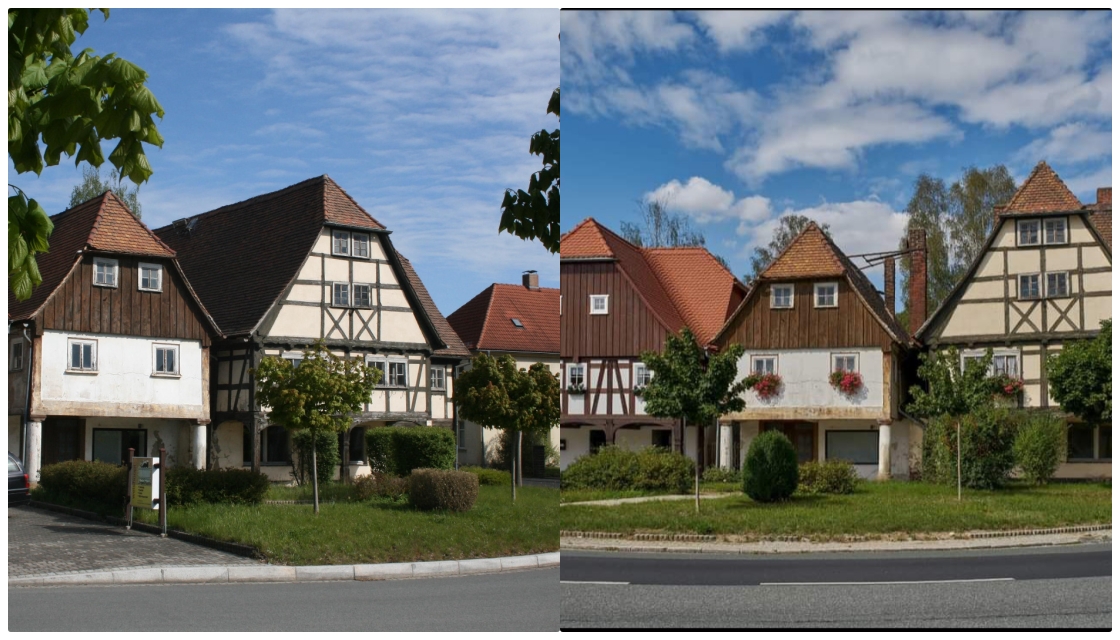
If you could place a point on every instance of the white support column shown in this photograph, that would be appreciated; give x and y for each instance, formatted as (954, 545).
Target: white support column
(34, 451)
(726, 436)
(198, 446)
(884, 452)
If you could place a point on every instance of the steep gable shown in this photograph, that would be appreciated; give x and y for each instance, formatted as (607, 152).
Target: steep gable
(1042, 192)
(486, 321)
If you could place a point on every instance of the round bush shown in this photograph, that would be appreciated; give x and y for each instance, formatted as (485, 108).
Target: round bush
(1040, 446)
(615, 469)
(830, 476)
(770, 473)
(441, 489)
(381, 485)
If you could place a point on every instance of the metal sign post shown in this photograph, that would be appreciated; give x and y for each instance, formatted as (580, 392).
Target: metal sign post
(147, 487)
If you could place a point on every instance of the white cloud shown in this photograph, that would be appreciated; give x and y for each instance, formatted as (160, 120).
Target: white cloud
(707, 203)
(860, 226)
(1085, 186)
(738, 30)
(1069, 143)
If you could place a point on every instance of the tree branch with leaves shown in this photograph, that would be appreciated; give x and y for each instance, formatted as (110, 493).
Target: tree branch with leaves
(535, 214)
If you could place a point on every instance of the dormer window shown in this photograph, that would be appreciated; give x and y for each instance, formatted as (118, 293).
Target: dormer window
(151, 277)
(781, 296)
(824, 294)
(340, 243)
(517, 323)
(359, 245)
(105, 272)
(599, 305)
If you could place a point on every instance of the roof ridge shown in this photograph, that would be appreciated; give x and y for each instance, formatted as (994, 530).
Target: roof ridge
(253, 200)
(327, 179)
(97, 218)
(521, 286)
(812, 225)
(486, 316)
(143, 226)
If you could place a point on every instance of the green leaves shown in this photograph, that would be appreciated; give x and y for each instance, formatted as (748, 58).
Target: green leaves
(951, 390)
(688, 383)
(495, 393)
(28, 230)
(535, 214)
(1081, 377)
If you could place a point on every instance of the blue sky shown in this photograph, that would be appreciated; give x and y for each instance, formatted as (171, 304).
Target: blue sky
(423, 117)
(735, 119)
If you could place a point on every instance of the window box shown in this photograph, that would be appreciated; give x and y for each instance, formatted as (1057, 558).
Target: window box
(151, 277)
(766, 385)
(105, 272)
(848, 383)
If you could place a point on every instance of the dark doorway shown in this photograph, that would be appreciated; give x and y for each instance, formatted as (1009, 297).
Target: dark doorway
(63, 439)
(598, 440)
(112, 445)
(801, 434)
(736, 446)
(663, 438)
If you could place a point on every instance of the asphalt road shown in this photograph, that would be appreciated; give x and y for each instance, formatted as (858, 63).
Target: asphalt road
(520, 601)
(1046, 587)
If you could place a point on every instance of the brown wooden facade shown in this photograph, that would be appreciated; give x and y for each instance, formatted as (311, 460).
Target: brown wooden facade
(627, 330)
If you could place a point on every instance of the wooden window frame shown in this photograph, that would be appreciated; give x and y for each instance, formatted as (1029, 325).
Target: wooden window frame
(817, 296)
(353, 253)
(792, 295)
(1065, 230)
(1019, 286)
(582, 367)
(606, 298)
(1019, 233)
(644, 369)
(1047, 293)
(838, 354)
(354, 297)
(13, 364)
(432, 371)
(115, 264)
(389, 362)
(140, 276)
(295, 357)
(334, 294)
(336, 235)
(380, 363)
(163, 346)
(70, 342)
(976, 354)
(764, 356)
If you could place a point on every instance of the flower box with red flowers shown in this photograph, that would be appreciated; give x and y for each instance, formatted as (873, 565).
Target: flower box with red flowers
(846, 382)
(1006, 386)
(764, 384)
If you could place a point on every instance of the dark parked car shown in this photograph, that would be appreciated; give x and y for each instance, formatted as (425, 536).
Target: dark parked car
(18, 491)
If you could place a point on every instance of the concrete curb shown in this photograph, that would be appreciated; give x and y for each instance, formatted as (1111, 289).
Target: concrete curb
(275, 573)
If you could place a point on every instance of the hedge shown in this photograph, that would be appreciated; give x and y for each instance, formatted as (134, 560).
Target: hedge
(442, 489)
(84, 484)
(399, 450)
(830, 476)
(381, 485)
(615, 469)
(187, 486)
(327, 456)
(489, 476)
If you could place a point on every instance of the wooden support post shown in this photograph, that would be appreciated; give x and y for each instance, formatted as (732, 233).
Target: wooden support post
(162, 492)
(128, 491)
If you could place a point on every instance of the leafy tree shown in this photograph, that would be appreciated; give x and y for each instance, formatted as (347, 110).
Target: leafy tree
(660, 228)
(92, 186)
(951, 390)
(693, 386)
(789, 226)
(61, 103)
(1081, 377)
(319, 395)
(496, 394)
(928, 209)
(535, 214)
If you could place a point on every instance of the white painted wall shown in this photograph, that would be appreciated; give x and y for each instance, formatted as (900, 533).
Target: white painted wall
(905, 443)
(804, 374)
(172, 435)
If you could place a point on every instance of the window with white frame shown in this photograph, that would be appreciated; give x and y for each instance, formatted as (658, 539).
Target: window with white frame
(398, 373)
(359, 245)
(575, 375)
(151, 277)
(15, 355)
(1055, 230)
(1057, 285)
(845, 362)
(340, 242)
(599, 305)
(105, 272)
(764, 364)
(1029, 288)
(362, 295)
(294, 357)
(437, 378)
(781, 296)
(642, 375)
(166, 360)
(1029, 233)
(825, 294)
(970, 356)
(82, 355)
(1005, 363)
(379, 364)
(340, 296)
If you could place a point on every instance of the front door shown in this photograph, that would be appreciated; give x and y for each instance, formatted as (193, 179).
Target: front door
(62, 440)
(803, 435)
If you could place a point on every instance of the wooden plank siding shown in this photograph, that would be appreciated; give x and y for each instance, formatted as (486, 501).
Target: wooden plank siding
(81, 307)
(850, 324)
(628, 329)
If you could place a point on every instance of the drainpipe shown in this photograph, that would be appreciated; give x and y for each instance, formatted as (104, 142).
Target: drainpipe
(27, 399)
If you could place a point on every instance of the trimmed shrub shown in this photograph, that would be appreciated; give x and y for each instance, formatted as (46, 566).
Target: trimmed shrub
(84, 484)
(381, 485)
(1040, 446)
(718, 474)
(830, 476)
(615, 469)
(442, 489)
(987, 449)
(399, 450)
(186, 486)
(489, 476)
(327, 456)
(770, 472)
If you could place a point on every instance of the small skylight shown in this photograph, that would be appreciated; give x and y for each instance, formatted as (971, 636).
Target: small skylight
(517, 323)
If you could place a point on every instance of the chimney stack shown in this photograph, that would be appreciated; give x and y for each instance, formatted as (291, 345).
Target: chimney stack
(1104, 198)
(916, 242)
(530, 280)
(888, 284)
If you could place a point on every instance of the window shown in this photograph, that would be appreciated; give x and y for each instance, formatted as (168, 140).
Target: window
(437, 377)
(781, 296)
(1057, 285)
(357, 444)
(112, 445)
(83, 355)
(166, 360)
(764, 364)
(1055, 231)
(151, 277)
(294, 357)
(970, 357)
(1006, 364)
(361, 296)
(599, 305)
(1028, 287)
(380, 366)
(341, 295)
(845, 362)
(662, 438)
(274, 446)
(340, 243)
(517, 323)
(398, 374)
(857, 447)
(825, 294)
(15, 361)
(1104, 450)
(1028, 232)
(642, 375)
(575, 375)
(1088, 443)
(598, 440)
(104, 272)
(359, 245)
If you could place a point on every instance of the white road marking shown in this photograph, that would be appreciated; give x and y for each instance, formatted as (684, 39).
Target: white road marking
(592, 582)
(846, 584)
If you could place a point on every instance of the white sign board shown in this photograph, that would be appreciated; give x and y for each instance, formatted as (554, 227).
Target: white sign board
(145, 483)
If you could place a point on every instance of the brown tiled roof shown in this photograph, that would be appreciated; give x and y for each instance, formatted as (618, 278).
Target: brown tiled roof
(585, 241)
(486, 321)
(1042, 192)
(810, 254)
(455, 347)
(1103, 222)
(102, 224)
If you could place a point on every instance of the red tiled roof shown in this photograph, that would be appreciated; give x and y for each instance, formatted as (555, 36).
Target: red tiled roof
(455, 347)
(103, 224)
(810, 254)
(486, 321)
(1042, 192)
(585, 241)
(1103, 222)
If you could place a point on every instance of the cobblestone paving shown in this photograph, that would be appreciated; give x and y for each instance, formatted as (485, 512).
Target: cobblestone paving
(45, 542)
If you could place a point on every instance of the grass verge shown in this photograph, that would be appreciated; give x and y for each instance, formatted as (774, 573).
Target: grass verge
(877, 509)
(587, 495)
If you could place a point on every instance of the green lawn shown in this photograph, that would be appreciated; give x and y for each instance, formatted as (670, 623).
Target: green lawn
(380, 531)
(875, 509)
(586, 495)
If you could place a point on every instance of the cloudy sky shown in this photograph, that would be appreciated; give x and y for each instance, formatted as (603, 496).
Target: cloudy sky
(737, 118)
(424, 118)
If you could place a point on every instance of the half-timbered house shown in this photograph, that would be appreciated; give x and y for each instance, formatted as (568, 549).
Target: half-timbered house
(809, 314)
(1043, 278)
(618, 301)
(522, 321)
(111, 351)
(282, 270)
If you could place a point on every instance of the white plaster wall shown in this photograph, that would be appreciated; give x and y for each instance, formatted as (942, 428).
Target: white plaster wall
(297, 321)
(387, 275)
(124, 372)
(167, 433)
(229, 444)
(305, 293)
(393, 298)
(365, 271)
(804, 374)
(976, 319)
(311, 269)
(400, 326)
(1061, 258)
(336, 269)
(578, 444)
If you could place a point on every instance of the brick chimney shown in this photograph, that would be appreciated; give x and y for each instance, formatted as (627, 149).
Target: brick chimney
(888, 284)
(1104, 198)
(530, 280)
(916, 242)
